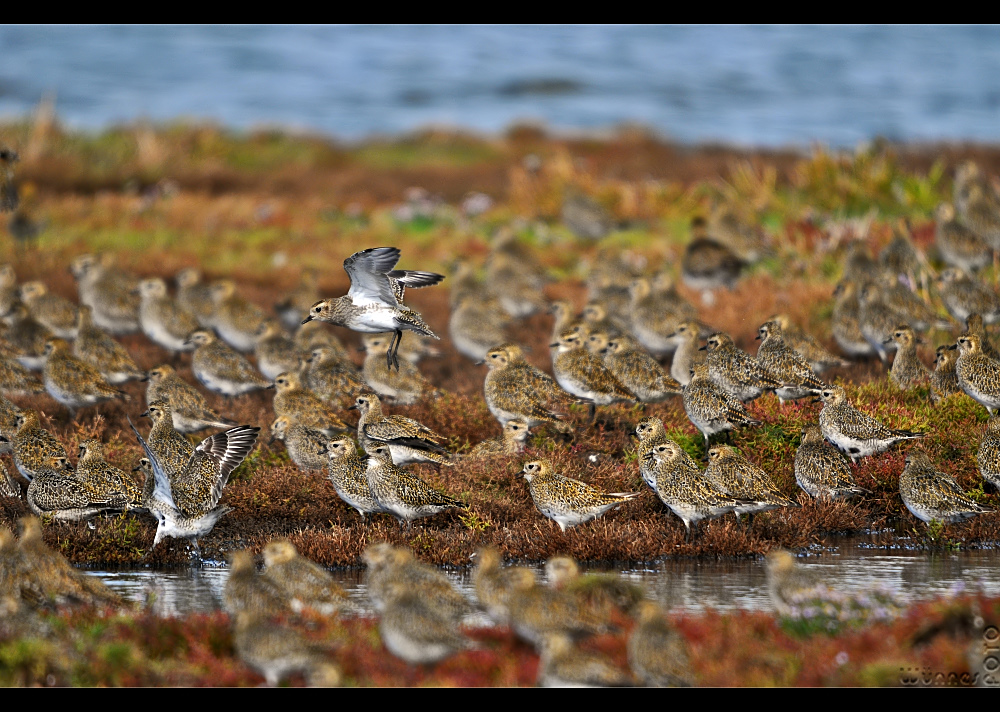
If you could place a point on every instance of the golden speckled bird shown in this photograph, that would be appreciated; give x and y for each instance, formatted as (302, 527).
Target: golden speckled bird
(907, 369)
(188, 407)
(707, 264)
(407, 440)
(821, 470)
(102, 480)
(988, 456)
(16, 380)
(710, 408)
(657, 652)
(333, 379)
(978, 375)
(963, 295)
(8, 485)
(401, 493)
(959, 245)
(974, 325)
(373, 304)
(584, 375)
(687, 354)
(516, 390)
(737, 477)
(162, 319)
(511, 442)
(195, 296)
(221, 369)
(58, 314)
(26, 337)
(566, 501)
(54, 491)
(73, 382)
(33, 445)
(275, 352)
(43, 578)
(294, 305)
(735, 371)
(236, 320)
(785, 364)
(348, 473)
(562, 664)
(413, 630)
(944, 379)
(303, 407)
(495, 584)
(634, 368)
(276, 652)
(682, 486)
(845, 320)
(246, 591)
(656, 310)
(930, 494)
(8, 423)
(393, 571)
(854, 433)
(405, 384)
(109, 291)
(476, 325)
(304, 583)
(305, 445)
(604, 594)
(9, 292)
(313, 334)
(650, 432)
(102, 352)
(818, 357)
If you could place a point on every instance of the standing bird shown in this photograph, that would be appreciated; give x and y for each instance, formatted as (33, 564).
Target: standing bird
(103, 352)
(822, 471)
(988, 456)
(978, 374)
(687, 354)
(854, 433)
(710, 408)
(584, 375)
(32, 445)
(907, 370)
(638, 371)
(657, 652)
(374, 304)
(73, 382)
(305, 445)
(736, 476)
(55, 312)
(407, 440)
(496, 584)
(402, 494)
(188, 407)
(304, 583)
(162, 319)
(566, 501)
(516, 390)
(737, 372)
(806, 346)
(348, 473)
(55, 491)
(221, 369)
(405, 386)
(785, 364)
(303, 407)
(930, 494)
(944, 378)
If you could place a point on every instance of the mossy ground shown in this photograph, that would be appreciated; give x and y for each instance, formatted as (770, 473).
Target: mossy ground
(262, 207)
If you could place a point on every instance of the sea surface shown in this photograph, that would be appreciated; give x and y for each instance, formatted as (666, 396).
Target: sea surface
(741, 85)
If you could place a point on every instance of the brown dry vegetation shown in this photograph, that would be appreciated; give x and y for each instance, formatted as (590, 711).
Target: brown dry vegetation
(262, 222)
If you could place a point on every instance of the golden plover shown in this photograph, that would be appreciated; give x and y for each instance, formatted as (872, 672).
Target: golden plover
(304, 583)
(657, 652)
(495, 584)
(393, 571)
(109, 292)
(988, 456)
(683, 487)
(476, 325)
(195, 296)
(978, 375)
(963, 295)
(511, 442)
(785, 364)
(413, 630)
(313, 334)
(276, 652)
(102, 352)
(821, 470)
(294, 305)
(585, 217)
(9, 292)
(516, 390)
(33, 445)
(974, 325)
(8, 485)
(656, 311)
(236, 320)
(102, 480)
(303, 407)
(566, 501)
(650, 432)
(854, 433)
(959, 245)
(707, 264)
(371, 305)
(16, 380)
(633, 367)
(306, 446)
(55, 312)
(877, 320)
(246, 591)
(407, 440)
(603, 594)
(333, 380)
(275, 352)
(188, 407)
(348, 473)
(54, 491)
(584, 375)
(405, 385)
(221, 369)
(75, 383)
(844, 322)
(162, 319)
(402, 494)
(736, 476)
(735, 371)
(687, 353)
(562, 664)
(944, 379)
(710, 408)
(907, 370)
(818, 357)
(930, 494)
(26, 337)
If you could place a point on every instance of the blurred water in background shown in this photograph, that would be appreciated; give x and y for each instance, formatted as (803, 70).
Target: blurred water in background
(739, 85)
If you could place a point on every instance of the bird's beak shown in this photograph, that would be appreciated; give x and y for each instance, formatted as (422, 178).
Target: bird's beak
(352, 407)
(144, 414)
(887, 340)
(703, 348)
(307, 320)
(553, 345)
(144, 378)
(480, 363)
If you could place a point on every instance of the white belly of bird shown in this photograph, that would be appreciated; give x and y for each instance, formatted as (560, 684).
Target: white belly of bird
(414, 652)
(221, 385)
(159, 335)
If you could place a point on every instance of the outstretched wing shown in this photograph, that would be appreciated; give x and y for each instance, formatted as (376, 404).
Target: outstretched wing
(368, 271)
(161, 483)
(224, 452)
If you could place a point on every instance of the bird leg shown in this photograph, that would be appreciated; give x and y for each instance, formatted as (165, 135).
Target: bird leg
(592, 413)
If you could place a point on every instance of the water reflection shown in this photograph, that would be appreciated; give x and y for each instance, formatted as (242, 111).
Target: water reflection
(690, 585)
